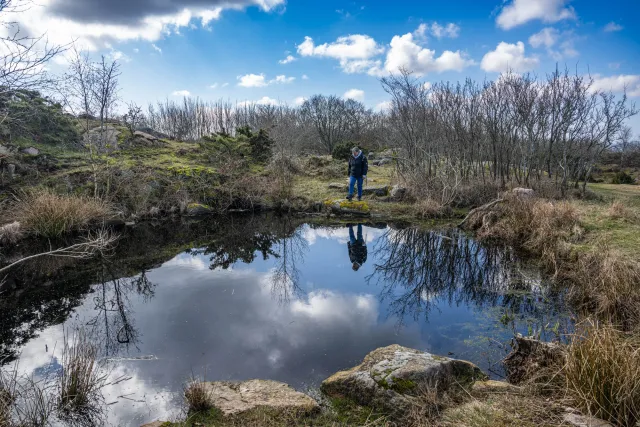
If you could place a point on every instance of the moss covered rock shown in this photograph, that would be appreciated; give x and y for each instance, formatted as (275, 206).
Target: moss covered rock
(389, 378)
(348, 208)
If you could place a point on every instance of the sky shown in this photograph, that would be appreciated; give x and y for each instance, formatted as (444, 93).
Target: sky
(283, 51)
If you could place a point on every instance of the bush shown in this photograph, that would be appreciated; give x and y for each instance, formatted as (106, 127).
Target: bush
(623, 178)
(47, 214)
(602, 373)
(197, 396)
(342, 150)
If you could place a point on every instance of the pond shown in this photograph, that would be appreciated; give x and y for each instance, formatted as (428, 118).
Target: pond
(272, 298)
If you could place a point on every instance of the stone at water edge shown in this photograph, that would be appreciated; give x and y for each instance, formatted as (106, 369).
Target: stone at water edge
(197, 209)
(346, 207)
(390, 377)
(32, 151)
(233, 398)
(397, 193)
(154, 424)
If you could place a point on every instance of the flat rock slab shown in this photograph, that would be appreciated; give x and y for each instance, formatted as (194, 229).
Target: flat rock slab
(233, 398)
(348, 208)
(390, 377)
(579, 420)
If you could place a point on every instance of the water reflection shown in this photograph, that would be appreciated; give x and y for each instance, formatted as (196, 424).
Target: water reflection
(269, 297)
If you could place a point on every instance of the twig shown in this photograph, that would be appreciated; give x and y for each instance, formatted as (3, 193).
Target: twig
(479, 209)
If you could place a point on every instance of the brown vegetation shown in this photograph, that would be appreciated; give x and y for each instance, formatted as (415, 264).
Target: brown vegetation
(197, 396)
(45, 213)
(602, 374)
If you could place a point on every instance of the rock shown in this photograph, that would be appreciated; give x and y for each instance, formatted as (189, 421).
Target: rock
(32, 151)
(345, 207)
(523, 192)
(11, 170)
(390, 377)
(339, 186)
(371, 156)
(573, 418)
(530, 355)
(233, 398)
(154, 424)
(491, 386)
(383, 162)
(197, 209)
(144, 135)
(4, 151)
(154, 211)
(376, 191)
(397, 193)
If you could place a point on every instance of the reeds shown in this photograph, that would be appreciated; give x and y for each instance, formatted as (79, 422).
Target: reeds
(197, 395)
(44, 213)
(603, 374)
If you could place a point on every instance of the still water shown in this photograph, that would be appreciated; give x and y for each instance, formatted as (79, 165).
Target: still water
(272, 298)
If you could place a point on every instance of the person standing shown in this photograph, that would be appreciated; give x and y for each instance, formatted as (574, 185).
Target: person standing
(358, 168)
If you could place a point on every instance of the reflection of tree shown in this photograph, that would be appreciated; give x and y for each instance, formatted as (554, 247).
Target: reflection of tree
(113, 315)
(418, 268)
(285, 278)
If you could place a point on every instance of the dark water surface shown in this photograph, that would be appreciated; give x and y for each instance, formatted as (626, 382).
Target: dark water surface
(271, 298)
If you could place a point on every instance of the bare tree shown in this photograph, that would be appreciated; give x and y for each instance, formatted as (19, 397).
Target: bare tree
(134, 117)
(327, 115)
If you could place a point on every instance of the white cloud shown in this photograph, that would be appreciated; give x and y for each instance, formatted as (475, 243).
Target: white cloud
(305, 77)
(225, 84)
(508, 56)
(426, 85)
(299, 100)
(213, 86)
(549, 37)
(282, 79)
(352, 51)
(406, 53)
(156, 48)
(619, 83)
(288, 59)
(546, 37)
(612, 27)
(384, 106)
(181, 93)
(136, 50)
(450, 30)
(518, 12)
(64, 23)
(265, 100)
(252, 80)
(259, 80)
(117, 55)
(355, 94)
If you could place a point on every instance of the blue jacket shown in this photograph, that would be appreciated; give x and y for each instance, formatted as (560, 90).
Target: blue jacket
(358, 166)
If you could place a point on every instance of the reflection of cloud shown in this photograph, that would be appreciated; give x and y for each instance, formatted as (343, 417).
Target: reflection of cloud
(195, 262)
(311, 235)
(329, 306)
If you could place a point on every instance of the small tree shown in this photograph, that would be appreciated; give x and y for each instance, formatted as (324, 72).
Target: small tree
(133, 118)
(261, 145)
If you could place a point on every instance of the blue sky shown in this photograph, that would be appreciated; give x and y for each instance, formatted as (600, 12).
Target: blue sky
(235, 49)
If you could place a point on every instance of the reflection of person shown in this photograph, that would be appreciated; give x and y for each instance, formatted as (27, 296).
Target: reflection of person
(358, 167)
(357, 248)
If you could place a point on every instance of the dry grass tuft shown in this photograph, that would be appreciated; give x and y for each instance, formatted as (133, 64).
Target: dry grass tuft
(10, 233)
(429, 208)
(82, 378)
(603, 374)
(606, 283)
(47, 214)
(197, 395)
(618, 210)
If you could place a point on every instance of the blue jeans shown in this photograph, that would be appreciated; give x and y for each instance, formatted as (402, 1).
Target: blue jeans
(352, 182)
(352, 236)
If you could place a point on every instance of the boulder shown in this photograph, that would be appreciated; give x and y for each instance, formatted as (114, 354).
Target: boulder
(349, 208)
(530, 356)
(576, 419)
(4, 151)
(390, 378)
(11, 170)
(144, 135)
(397, 193)
(375, 191)
(197, 209)
(523, 192)
(234, 398)
(155, 424)
(382, 162)
(371, 156)
(31, 151)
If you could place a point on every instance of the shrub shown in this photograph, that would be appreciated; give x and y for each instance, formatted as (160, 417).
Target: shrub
(342, 150)
(47, 214)
(602, 373)
(197, 396)
(622, 178)
(618, 210)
